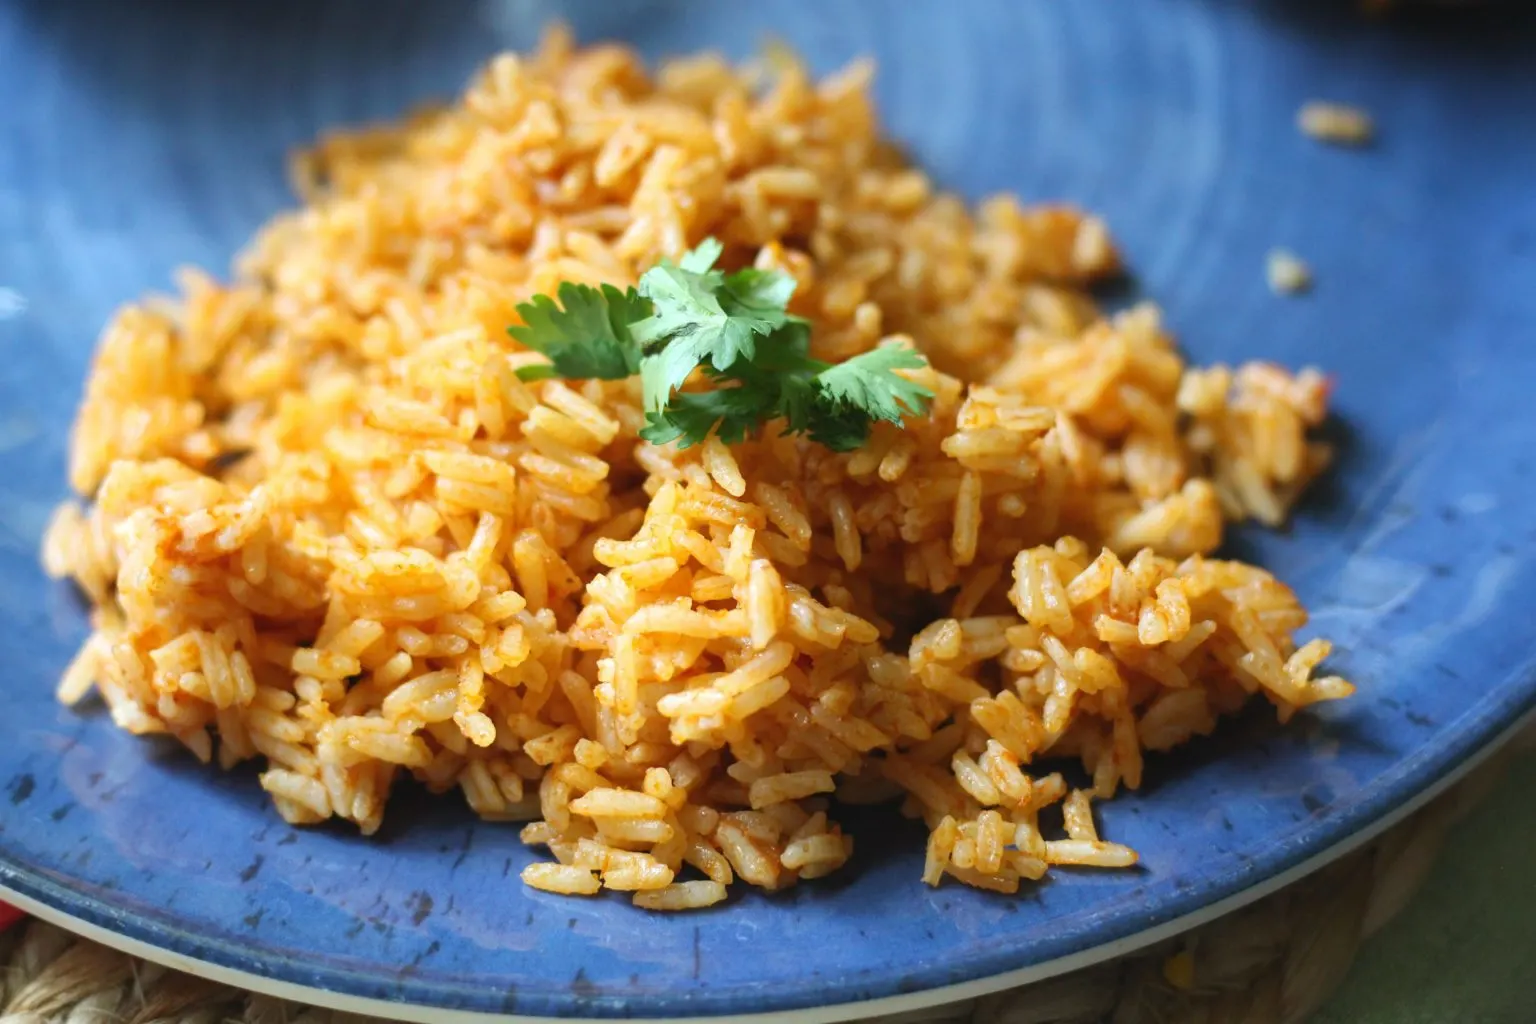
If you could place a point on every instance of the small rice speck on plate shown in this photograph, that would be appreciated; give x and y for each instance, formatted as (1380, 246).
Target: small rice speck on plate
(1286, 272)
(1335, 123)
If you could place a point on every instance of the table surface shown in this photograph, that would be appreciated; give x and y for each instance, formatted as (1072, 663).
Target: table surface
(1463, 950)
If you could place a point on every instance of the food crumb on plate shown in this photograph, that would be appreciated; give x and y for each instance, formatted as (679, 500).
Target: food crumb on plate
(1288, 274)
(1336, 123)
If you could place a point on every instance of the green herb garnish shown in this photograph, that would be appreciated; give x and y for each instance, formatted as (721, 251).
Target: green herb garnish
(735, 328)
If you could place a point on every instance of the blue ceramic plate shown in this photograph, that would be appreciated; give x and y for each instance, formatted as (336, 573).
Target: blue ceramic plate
(135, 136)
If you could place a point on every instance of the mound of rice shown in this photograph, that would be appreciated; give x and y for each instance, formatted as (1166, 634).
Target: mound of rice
(327, 527)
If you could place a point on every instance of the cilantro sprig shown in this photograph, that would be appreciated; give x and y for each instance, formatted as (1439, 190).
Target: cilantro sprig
(734, 327)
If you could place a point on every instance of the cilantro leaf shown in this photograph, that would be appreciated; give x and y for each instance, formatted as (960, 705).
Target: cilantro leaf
(735, 328)
(786, 350)
(732, 413)
(587, 335)
(701, 258)
(667, 370)
(868, 382)
(760, 295)
(684, 302)
(841, 428)
(709, 318)
(797, 404)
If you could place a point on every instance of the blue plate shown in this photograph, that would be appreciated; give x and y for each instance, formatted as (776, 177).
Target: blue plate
(138, 136)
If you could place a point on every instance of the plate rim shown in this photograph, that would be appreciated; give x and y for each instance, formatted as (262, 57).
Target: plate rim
(29, 896)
